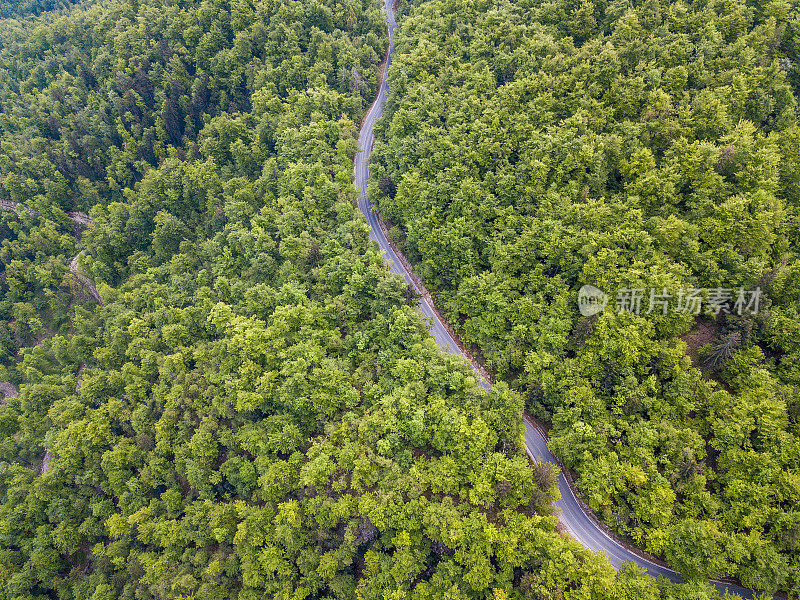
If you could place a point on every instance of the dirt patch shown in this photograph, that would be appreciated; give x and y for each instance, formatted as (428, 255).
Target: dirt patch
(704, 332)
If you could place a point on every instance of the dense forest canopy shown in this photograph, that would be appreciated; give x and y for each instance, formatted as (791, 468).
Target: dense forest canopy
(255, 409)
(533, 147)
(25, 8)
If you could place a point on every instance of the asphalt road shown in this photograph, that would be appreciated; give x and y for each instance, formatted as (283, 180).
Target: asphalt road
(575, 520)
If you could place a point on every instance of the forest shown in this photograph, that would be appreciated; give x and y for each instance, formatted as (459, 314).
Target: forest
(534, 147)
(25, 8)
(249, 405)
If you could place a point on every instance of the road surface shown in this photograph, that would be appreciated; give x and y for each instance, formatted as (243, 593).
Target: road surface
(575, 520)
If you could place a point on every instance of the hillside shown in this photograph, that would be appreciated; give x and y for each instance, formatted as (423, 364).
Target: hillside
(532, 148)
(255, 409)
(223, 392)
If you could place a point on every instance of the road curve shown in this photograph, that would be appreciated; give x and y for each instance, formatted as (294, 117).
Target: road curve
(575, 520)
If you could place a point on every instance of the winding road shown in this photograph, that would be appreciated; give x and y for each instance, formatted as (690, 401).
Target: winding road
(577, 521)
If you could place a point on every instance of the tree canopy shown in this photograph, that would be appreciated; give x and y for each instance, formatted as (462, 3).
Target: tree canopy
(256, 409)
(531, 148)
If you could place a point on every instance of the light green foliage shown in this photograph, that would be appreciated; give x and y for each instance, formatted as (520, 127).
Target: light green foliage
(533, 147)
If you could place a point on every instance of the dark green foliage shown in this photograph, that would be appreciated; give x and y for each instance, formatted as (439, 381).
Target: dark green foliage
(721, 352)
(25, 8)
